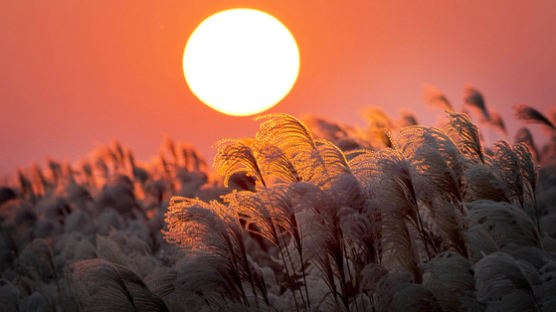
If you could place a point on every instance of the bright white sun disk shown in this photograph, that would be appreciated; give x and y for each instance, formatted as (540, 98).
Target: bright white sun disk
(241, 61)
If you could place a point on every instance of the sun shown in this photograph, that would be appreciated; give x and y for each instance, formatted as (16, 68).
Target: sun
(241, 61)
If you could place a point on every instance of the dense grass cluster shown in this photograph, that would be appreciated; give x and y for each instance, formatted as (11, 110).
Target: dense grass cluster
(305, 216)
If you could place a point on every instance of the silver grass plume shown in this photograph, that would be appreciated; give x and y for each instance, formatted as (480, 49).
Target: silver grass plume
(363, 166)
(397, 291)
(294, 138)
(104, 286)
(335, 162)
(480, 182)
(213, 230)
(435, 98)
(268, 210)
(368, 226)
(379, 126)
(200, 226)
(117, 152)
(314, 160)
(274, 162)
(399, 212)
(529, 174)
(475, 100)
(168, 147)
(506, 284)
(271, 213)
(325, 129)
(434, 155)
(338, 235)
(234, 156)
(506, 164)
(523, 135)
(87, 170)
(40, 183)
(527, 167)
(190, 158)
(36, 262)
(545, 291)
(436, 160)
(504, 224)
(375, 117)
(406, 119)
(56, 172)
(25, 185)
(530, 115)
(450, 278)
(209, 280)
(326, 242)
(466, 136)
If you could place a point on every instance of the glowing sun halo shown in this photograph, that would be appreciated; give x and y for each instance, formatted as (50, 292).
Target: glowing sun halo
(241, 61)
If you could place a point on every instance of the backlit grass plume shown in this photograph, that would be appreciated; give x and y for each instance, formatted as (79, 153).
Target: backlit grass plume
(474, 99)
(530, 115)
(435, 98)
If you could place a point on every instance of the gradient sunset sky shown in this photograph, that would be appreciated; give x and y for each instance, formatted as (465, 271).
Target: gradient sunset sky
(76, 74)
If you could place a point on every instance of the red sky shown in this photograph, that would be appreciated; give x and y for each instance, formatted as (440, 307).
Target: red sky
(78, 73)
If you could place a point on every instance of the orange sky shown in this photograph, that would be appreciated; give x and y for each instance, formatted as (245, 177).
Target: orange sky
(79, 73)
